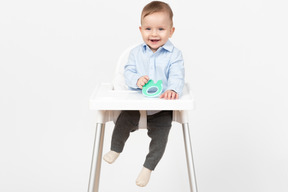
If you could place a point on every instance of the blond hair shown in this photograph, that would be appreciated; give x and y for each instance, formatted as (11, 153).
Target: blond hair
(157, 6)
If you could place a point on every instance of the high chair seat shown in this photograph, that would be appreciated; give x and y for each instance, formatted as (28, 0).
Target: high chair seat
(108, 99)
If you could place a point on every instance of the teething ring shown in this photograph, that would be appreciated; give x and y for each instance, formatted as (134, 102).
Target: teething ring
(148, 88)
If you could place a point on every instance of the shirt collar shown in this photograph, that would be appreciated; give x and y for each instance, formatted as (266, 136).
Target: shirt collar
(168, 46)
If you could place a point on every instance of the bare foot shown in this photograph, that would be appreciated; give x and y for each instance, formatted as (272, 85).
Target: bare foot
(143, 177)
(111, 156)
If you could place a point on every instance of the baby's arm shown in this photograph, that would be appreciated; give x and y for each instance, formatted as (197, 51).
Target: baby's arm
(130, 72)
(176, 77)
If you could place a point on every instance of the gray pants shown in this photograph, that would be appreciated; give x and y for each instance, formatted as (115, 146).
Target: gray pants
(158, 126)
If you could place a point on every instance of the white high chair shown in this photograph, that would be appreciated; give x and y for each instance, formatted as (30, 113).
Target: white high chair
(109, 99)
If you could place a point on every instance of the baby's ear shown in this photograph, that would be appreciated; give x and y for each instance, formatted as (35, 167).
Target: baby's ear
(140, 28)
(172, 31)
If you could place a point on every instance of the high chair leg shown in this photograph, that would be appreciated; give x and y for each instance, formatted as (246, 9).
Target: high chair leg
(189, 158)
(94, 178)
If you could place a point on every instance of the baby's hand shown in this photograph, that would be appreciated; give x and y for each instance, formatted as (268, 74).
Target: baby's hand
(142, 81)
(169, 94)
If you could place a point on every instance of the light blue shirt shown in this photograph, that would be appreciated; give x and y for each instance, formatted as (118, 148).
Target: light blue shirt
(165, 64)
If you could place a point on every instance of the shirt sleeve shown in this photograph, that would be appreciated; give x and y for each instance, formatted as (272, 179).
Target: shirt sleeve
(130, 71)
(176, 79)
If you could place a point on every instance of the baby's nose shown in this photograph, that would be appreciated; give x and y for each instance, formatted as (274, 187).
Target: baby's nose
(154, 32)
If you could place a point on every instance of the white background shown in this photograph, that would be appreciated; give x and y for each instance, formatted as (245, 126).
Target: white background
(53, 53)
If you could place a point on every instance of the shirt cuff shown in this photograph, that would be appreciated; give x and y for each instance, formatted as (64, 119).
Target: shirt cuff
(177, 87)
(132, 82)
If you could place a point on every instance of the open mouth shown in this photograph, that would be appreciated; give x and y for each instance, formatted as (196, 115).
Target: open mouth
(154, 40)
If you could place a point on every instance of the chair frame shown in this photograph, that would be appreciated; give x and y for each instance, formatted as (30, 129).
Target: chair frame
(104, 116)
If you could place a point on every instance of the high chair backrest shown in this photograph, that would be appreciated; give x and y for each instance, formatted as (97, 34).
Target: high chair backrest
(119, 81)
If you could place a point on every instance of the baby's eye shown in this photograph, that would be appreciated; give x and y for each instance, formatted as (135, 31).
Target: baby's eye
(161, 29)
(148, 29)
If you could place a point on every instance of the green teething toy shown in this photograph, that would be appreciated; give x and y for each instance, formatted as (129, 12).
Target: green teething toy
(152, 89)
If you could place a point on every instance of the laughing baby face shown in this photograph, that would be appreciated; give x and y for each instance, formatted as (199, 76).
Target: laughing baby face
(156, 29)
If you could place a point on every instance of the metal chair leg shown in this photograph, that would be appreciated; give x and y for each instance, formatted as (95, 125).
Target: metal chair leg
(189, 158)
(94, 178)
